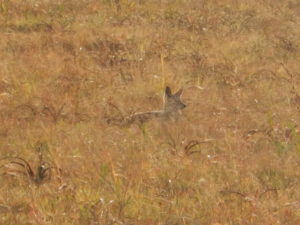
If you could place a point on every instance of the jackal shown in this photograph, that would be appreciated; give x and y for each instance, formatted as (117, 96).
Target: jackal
(171, 109)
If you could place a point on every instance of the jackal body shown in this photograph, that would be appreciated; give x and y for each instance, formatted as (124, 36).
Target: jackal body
(171, 108)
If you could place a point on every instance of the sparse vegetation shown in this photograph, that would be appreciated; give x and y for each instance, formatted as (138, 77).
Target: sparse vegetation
(232, 157)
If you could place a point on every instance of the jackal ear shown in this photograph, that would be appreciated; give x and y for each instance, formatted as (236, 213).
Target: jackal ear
(179, 92)
(168, 92)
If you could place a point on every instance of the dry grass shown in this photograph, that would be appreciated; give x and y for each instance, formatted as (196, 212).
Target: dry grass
(67, 66)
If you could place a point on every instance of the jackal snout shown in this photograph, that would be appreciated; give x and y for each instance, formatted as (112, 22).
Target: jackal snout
(173, 102)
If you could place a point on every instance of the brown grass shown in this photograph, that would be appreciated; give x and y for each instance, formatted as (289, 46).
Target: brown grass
(232, 158)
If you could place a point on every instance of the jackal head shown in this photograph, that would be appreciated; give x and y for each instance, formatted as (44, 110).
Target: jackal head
(173, 102)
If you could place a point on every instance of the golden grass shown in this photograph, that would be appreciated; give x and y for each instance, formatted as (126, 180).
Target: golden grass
(68, 66)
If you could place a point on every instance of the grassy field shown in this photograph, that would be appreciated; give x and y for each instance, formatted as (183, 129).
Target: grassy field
(69, 67)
